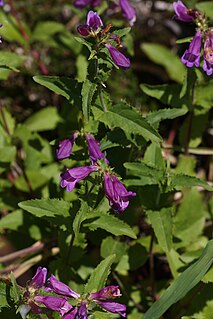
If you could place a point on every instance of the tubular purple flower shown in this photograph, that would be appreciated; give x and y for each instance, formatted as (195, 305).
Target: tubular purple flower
(128, 11)
(54, 303)
(39, 279)
(75, 175)
(94, 21)
(60, 288)
(1, 3)
(118, 58)
(113, 307)
(64, 149)
(182, 13)
(109, 292)
(208, 52)
(116, 193)
(94, 150)
(191, 56)
(93, 25)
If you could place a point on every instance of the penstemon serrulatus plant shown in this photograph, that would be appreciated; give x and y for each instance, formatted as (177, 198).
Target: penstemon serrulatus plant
(110, 200)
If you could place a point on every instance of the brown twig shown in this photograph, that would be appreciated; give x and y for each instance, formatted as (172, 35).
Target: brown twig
(4, 119)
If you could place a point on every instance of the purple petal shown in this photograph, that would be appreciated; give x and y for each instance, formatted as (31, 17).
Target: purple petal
(128, 11)
(81, 3)
(75, 175)
(113, 307)
(40, 277)
(82, 312)
(116, 193)
(94, 21)
(60, 288)
(71, 314)
(109, 292)
(83, 29)
(94, 150)
(208, 52)
(191, 56)
(118, 58)
(1, 3)
(59, 304)
(182, 12)
(65, 147)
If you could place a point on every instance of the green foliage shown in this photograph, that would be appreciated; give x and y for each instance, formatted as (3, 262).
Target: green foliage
(183, 284)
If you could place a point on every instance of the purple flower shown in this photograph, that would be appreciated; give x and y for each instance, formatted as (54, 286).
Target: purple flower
(116, 193)
(54, 303)
(60, 288)
(83, 3)
(113, 307)
(1, 3)
(94, 150)
(32, 291)
(128, 11)
(75, 175)
(65, 147)
(191, 56)
(109, 292)
(39, 279)
(208, 52)
(183, 13)
(118, 58)
(93, 25)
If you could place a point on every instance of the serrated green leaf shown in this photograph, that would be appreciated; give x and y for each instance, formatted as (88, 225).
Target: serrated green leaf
(168, 94)
(99, 276)
(165, 57)
(183, 284)
(161, 222)
(38, 121)
(180, 180)
(3, 295)
(84, 42)
(111, 224)
(87, 92)
(142, 170)
(80, 217)
(111, 246)
(122, 32)
(15, 290)
(165, 114)
(46, 207)
(61, 85)
(122, 116)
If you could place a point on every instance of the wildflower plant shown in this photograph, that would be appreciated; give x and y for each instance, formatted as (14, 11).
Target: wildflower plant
(105, 206)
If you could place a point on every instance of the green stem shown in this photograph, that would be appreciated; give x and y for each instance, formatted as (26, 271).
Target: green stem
(100, 92)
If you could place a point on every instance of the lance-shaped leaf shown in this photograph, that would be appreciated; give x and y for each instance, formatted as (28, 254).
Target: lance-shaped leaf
(126, 118)
(87, 92)
(61, 85)
(183, 284)
(99, 276)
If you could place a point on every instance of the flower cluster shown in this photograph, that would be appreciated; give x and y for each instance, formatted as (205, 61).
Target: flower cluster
(128, 11)
(191, 56)
(115, 191)
(33, 298)
(94, 28)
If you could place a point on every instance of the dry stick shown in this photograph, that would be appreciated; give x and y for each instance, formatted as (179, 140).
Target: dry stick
(22, 30)
(22, 252)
